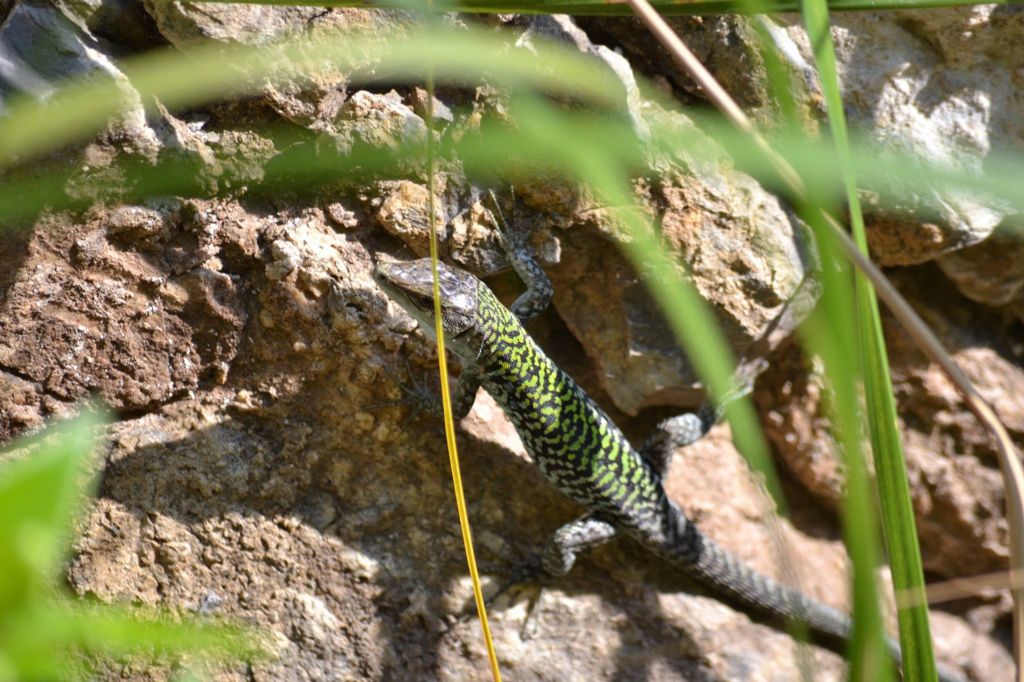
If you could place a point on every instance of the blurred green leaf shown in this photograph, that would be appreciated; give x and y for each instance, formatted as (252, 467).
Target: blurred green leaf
(40, 496)
(589, 7)
(45, 482)
(897, 512)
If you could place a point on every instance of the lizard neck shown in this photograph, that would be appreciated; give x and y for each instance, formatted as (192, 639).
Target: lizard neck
(508, 356)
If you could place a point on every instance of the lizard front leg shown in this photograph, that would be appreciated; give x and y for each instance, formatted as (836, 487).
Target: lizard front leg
(674, 432)
(425, 400)
(465, 392)
(514, 241)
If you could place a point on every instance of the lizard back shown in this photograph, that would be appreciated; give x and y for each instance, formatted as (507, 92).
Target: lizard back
(573, 442)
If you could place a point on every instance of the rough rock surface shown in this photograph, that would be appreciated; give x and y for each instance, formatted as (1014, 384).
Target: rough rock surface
(745, 255)
(991, 272)
(954, 476)
(945, 86)
(253, 473)
(726, 46)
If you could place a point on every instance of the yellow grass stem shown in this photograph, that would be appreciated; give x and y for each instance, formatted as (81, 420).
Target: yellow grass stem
(446, 400)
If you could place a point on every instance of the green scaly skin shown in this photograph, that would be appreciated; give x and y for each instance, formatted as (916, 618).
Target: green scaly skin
(578, 448)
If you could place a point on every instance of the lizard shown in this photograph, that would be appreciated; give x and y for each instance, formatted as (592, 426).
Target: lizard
(577, 446)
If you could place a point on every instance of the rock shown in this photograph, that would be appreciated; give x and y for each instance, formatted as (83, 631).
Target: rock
(402, 210)
(122, 22)
(125, 330)
(981, 658)
(991, 272)
(312, 103)
(745, 255)
(561, 28)
(954, 477)
(441, 111)
(6, 7)
(256, 469)
(20, 409)
(186, 25)
(952, 463)
(44, 43)
(940, 85)
(381, 121)
(341, 216)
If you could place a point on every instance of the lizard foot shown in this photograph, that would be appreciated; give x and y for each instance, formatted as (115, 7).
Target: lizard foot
(527, 578)
(417, 395)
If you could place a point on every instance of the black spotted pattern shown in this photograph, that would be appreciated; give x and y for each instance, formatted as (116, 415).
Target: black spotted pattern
(570, 438)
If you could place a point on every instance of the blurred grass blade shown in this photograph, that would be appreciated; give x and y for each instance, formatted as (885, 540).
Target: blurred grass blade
(897, 512)
(589, 7)
(961, 588)
(41, 494)
(54, 642)
(830, 332)
(203, 75)
(178, 81)
(868, 656)
(45, 635)
(119, 631)
(1010, 465)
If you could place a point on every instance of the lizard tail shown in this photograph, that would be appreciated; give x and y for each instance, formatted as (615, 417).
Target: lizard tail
(699, 556)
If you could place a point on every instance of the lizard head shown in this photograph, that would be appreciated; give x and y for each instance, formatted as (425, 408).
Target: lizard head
(411, 285)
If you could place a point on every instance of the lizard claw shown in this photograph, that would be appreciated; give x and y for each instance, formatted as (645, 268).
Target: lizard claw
(528, 578)
(417, 395)
(511, 238)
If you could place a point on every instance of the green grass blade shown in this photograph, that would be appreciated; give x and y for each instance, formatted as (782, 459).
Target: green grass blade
(830, 332)
(45, 635)
(897, 513)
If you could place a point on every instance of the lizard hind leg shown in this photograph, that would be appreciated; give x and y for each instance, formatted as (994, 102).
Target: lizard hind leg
(689, 427)
(560, 553)
(557, 560)
(674, 432)
(570, 539)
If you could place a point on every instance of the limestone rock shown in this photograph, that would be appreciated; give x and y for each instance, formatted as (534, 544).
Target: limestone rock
(941, 84)
(260, 469)
(955, 482)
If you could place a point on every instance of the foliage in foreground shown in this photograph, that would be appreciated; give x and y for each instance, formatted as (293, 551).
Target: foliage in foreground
(45, 633)
(545, 136)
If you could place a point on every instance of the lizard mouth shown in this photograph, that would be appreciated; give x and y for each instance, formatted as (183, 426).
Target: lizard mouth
(407, 298)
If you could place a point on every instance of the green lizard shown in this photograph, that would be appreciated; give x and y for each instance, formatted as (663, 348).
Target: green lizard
(574, 443)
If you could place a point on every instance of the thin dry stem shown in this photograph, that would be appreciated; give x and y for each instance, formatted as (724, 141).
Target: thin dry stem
(959, 588)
